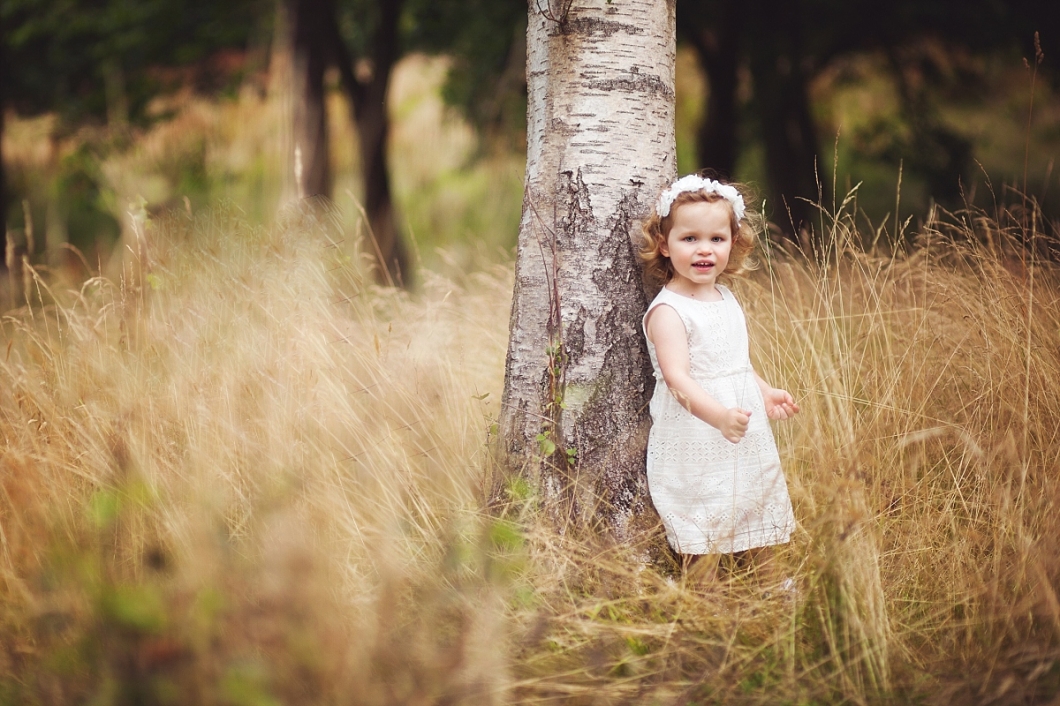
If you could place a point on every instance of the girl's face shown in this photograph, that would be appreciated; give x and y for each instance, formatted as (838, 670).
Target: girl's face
(698, 245)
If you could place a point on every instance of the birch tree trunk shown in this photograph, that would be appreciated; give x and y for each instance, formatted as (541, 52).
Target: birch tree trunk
(600, 127)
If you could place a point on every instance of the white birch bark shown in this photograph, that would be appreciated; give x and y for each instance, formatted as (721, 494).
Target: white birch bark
(600, 147)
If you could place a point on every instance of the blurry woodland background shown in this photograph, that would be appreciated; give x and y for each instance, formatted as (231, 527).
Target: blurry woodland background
(239, 467)
(184, 105)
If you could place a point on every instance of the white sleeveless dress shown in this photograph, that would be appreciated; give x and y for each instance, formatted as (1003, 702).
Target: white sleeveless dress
(715, 496)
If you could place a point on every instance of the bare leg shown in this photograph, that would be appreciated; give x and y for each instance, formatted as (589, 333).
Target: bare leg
(763, 563)
(756, 564)
(771, 578)
(700, 570)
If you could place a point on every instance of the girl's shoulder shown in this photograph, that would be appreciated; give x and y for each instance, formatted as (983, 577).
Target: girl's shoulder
(675, 301)
(665, 296)
(662, 296)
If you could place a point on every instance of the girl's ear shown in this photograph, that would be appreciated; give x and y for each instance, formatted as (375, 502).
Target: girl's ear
(664, 247)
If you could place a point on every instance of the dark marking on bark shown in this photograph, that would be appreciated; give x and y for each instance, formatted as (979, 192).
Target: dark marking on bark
(618, 247)
(634, 83)
(594, 27)
(620, 454)
(558, 476)
(630, 356)
(515, 446)
(614, 447)
(603, 480)
(574, 336)
(561, 127)
(577, 210)
(622, 391)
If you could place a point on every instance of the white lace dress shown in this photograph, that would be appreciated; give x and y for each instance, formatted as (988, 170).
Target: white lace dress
(715, 496)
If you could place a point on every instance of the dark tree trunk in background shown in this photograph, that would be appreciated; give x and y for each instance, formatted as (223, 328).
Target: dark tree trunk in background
(713, 29)
(781, 97)
(373, 123)
(940, 154)
(3, 108)
(3, 175)
(368, 96)
(315, 45)
(309, 21)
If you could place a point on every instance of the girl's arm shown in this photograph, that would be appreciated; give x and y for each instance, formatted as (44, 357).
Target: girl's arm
(779, 403)
(667, 333)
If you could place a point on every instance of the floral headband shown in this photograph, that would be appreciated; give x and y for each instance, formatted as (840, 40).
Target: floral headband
(694, 182)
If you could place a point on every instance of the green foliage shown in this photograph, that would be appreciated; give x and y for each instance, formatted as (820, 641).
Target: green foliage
(519, 491)
(79, 192)
(930, 56)
(358, 21)
(546, 446)
(67, 55)
(505, 536)
(246, 684)
(485, 40)
(136, 607)
(96, 60)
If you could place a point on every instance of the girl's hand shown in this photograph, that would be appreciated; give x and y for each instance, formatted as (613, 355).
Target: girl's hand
(779, 404)
(734, 424)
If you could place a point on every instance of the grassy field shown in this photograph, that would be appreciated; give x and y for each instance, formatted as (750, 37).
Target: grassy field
(235, 472)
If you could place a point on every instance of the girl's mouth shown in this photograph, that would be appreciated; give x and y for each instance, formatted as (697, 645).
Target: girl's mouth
(702, 265)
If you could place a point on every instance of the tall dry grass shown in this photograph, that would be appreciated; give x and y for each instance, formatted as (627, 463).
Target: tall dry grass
(240, 474)
(229, 472)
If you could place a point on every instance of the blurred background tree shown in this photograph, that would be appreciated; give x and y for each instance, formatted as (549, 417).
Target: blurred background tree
(934, 53)
(363, 40)
(486, 42)
(99, 63)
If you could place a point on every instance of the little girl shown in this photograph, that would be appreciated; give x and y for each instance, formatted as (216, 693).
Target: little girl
(713, 469)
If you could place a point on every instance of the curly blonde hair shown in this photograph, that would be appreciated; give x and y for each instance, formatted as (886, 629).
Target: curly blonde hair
(657, 267)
